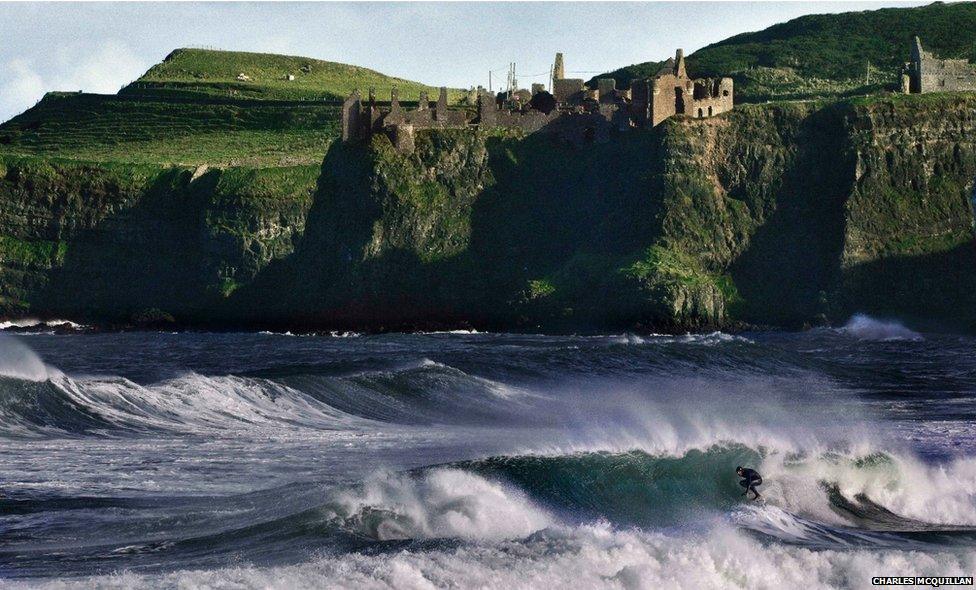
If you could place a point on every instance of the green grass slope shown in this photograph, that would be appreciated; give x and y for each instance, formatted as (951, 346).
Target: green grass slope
(828, 54)
(191, 110)
(195, 72)
(103, 128)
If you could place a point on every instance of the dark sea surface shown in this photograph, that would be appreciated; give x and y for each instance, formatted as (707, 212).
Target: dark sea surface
(257, 460)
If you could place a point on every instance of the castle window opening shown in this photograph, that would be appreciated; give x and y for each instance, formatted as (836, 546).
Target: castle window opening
(709, 111)
(699, 113)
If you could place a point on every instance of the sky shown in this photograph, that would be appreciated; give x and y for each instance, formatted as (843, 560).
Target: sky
(100, 47)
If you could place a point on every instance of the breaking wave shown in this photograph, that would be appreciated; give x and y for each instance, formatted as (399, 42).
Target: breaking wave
(874, 491)
(36, 399)
(610, 520)
(33, 324)
(438, 503)
(17, 361)
(865, 327)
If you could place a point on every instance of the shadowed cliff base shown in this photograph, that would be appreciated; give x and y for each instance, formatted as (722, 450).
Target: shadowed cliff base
(935, 291)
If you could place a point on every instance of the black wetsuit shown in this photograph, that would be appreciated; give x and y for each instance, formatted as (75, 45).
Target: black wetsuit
(750, 479)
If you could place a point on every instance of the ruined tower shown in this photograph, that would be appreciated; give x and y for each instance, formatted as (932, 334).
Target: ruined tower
(558, 69)
(351, 122)
(679, 64)
(917, 52)
(441, 110)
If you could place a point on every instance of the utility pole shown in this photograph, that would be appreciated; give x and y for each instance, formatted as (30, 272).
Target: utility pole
(489, 80)
(511, 76)
(514, 78)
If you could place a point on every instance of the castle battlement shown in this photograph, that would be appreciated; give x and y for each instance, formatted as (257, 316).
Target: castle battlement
(571, 111)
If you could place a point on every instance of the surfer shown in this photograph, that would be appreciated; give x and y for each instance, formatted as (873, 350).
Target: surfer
(750, 479)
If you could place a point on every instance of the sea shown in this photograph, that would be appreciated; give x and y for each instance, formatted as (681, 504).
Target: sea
(485, 460)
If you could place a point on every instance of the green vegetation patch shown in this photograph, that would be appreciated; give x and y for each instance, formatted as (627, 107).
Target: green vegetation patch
(296, 183)
(239, 74)
(661, 264)
(42, 253)
(827, 54)
(119, 129)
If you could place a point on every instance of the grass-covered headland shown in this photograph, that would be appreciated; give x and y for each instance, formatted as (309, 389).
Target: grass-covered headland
(825, 55)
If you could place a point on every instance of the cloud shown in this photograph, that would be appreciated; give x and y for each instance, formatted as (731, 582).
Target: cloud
(20, 87)
(102, 69)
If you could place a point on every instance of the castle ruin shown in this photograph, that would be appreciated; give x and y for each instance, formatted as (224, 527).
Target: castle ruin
(671, 92)
(571, 112)
(927, 73)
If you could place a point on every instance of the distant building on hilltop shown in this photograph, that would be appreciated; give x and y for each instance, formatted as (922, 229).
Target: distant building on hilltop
(571, 112)
(927, 73)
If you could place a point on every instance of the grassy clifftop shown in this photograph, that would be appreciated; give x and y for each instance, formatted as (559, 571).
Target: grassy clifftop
(121, 129)
(191, 110)
(194, 72)
(828, 54)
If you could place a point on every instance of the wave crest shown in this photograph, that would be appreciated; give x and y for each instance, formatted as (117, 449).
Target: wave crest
(17, 361)
(440, 503)
(865, 327)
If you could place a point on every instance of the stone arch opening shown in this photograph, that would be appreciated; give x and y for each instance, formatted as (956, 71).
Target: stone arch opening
(709, 111)
(699, 113)
(679, 100)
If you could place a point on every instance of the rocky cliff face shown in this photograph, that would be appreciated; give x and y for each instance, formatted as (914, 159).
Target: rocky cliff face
(111, 243)
(775, 214)
(908, 238)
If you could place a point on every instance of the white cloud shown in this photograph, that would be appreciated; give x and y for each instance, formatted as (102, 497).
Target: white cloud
(20, 87)
(102, 69)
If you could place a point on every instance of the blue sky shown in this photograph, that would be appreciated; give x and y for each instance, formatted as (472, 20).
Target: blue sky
(99, 47)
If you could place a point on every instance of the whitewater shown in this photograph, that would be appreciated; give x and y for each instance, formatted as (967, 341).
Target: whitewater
(479, 460)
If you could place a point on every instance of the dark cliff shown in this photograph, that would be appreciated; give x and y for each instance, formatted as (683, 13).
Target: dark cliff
(777, 214)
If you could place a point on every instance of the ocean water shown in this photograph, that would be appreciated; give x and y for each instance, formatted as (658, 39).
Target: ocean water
(460, 460)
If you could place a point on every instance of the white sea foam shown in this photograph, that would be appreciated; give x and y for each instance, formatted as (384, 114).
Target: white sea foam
(437, 504)
(704, 339)
(20, 362)
(591, 556)
(865, 327)
(33, 323)
(459, 332)
(940, 494)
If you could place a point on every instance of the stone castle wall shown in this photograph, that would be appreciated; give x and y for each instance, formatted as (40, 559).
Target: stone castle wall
(927, 73)
(572, 112)
(674, 93)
